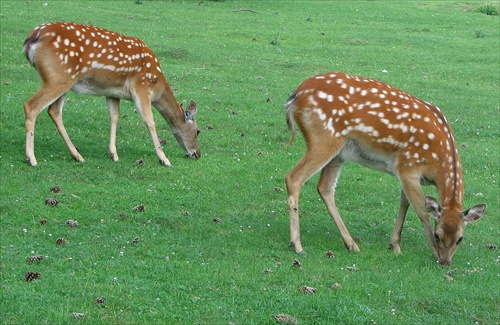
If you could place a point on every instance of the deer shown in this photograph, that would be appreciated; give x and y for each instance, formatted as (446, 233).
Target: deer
(344, 118)
(98, 62)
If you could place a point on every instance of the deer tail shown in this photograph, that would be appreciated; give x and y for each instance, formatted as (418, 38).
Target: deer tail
(290, 119)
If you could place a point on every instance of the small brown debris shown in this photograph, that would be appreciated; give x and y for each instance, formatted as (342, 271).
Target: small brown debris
(209, 127)
(329, 254)
(35, 258)
(72, 223)
(268, 100)
(451, 272)
(31, 275)
(353, 268)
(122, 214)
(61, 241)
(42, 222)
(306, 289)
(268, 270)
(474, 270)
(136, 240)
(242, 134)
(99, 300)
(336, 286)
(284, 319)
(140, 208)
(55, 189)
(491, 246)
(186, 213)
(77, 315)
(357, 239)
(278, 263)
(163, 142)
(139, 162)
(448, 278)
(216, 220)
(278, 189)
(297, 263)
(51, 201)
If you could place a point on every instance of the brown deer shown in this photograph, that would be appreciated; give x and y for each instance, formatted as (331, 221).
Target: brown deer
(350, 118)
(98, 62)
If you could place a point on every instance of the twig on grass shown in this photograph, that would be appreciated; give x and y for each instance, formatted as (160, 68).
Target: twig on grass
(249, 10)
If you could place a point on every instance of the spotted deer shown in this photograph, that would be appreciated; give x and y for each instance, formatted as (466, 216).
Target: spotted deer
(94, 61)
(349, 118)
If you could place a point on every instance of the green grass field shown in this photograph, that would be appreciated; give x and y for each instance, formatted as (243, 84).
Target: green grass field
(211, 246)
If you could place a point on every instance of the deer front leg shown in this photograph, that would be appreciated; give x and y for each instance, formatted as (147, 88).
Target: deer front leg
(326, 189)
(413, 191)
(114, 113)
(396, 234)
(143, 104)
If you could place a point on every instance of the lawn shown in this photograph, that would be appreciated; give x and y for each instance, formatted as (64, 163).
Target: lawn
(206, 241)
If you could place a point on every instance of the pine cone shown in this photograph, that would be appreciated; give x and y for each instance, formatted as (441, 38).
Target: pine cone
(61, 241)
(284, 319)
(51, 201)
(140, 208)
(72, 223)
(297, 263)
(306, 289)
(35, 258)
(30, 276)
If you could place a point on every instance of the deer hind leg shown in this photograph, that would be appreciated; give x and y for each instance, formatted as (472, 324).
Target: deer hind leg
(55, 112)
(404, 204)
(114, 113)
(326, 189)
(44, 97)
(314, 160)
(143, 104)
(413, 191)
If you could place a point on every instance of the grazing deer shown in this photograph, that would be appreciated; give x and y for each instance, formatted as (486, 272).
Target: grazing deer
(350, 118)
(98, 62)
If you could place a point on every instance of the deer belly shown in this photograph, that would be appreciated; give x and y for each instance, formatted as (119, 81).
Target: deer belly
(356, 152)
(93, 87)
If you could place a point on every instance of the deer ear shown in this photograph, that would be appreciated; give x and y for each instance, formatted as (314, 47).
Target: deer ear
(191, 111)
(475, 213)
(433, 207)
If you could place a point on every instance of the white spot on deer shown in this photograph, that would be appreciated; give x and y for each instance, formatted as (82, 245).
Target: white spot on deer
(319, 111)
(375, 105)
(320, 77)
(364, 92)
(374, 90)
(322, 94)
(312, 101)
(329, 126)
(66, 41)
(425, 146)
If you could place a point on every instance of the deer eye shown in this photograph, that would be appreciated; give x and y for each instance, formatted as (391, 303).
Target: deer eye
(459, 240)
(436, 236)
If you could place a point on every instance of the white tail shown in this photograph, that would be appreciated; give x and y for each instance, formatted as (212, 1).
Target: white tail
(350, 118)
(95, 61)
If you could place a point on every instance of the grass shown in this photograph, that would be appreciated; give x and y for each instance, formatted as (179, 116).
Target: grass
(188, 268)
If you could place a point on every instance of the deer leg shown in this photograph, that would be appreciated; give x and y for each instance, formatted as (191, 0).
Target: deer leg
(396, 234)
(114, 113)
(310, 164)
(413, 191)
(55, 112)
(32, 107)
(326, 189)
(143, 104)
